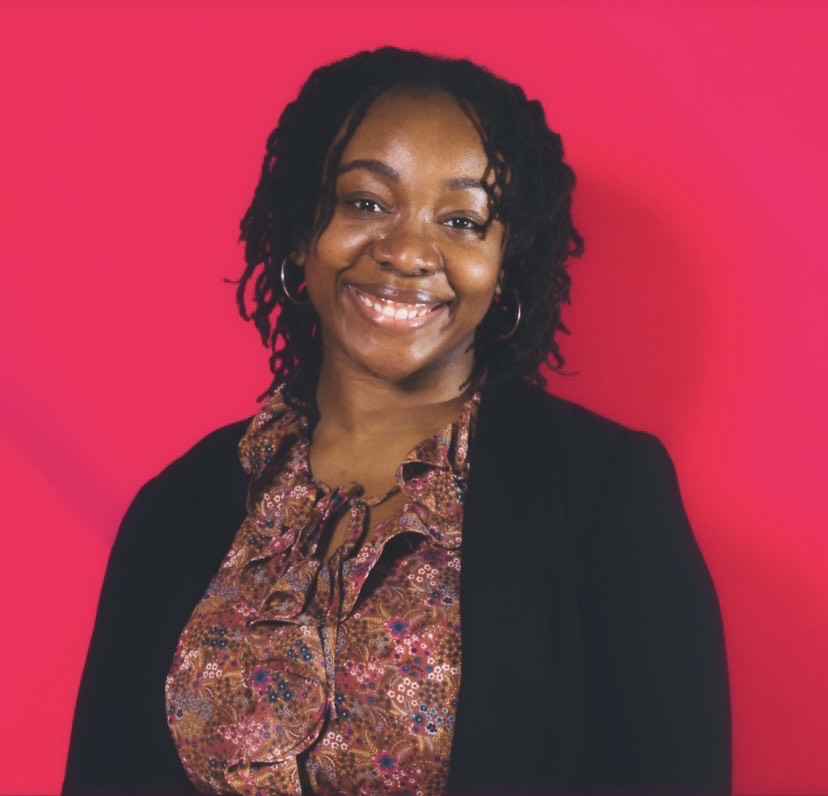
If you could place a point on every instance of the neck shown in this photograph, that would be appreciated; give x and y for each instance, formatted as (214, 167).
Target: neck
(359, 404)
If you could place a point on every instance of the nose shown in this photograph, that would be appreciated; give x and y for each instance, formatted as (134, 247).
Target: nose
(407, 251)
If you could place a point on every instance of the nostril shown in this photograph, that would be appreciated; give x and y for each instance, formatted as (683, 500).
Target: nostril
(406, 253)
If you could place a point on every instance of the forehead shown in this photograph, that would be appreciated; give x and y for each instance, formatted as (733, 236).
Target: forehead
(419, 130)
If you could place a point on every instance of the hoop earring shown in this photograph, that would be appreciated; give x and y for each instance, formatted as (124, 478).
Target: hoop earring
(286, 291)
(518, 316)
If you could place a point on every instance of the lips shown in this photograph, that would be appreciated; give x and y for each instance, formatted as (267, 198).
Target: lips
(402, 311)
(389, 306)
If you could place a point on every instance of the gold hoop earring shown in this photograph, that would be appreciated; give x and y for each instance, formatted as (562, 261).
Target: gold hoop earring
(298, 301)
(518, 315)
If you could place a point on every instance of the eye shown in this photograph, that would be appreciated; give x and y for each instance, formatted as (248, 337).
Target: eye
(365, 205)
(464, 223)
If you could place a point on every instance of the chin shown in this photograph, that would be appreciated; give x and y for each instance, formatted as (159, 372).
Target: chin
(415, 376)
(398, 373)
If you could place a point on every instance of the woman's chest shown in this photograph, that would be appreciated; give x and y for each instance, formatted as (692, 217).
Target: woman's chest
(341, 678)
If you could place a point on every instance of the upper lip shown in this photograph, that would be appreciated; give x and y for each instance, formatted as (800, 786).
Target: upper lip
(400, 296)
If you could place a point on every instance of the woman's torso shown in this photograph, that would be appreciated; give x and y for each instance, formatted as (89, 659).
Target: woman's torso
(297, 673)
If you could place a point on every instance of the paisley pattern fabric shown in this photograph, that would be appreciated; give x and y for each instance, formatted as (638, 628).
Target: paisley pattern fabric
(295, 675)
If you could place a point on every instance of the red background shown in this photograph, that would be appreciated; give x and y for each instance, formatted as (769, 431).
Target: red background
(131, 141)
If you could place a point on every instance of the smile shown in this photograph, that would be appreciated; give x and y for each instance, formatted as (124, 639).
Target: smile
(391, 313)
(394, 309)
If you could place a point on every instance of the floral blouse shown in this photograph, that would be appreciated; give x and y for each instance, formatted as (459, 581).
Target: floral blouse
(295, 675)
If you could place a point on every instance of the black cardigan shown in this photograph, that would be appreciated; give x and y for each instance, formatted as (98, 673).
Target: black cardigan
(592, 655)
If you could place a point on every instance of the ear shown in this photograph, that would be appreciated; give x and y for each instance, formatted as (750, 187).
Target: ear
(499, 285)
(299, 255)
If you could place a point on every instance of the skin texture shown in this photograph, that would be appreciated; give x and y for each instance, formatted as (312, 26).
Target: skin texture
(408, 227)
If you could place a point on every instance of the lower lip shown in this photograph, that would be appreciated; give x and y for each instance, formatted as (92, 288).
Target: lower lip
(393, 324)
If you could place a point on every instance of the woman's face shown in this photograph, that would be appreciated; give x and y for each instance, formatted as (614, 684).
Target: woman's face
(403, 274)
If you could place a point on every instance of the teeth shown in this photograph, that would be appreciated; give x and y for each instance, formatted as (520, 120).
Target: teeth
(393, 309)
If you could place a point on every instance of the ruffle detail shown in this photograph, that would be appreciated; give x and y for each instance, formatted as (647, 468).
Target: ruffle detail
(274, 608)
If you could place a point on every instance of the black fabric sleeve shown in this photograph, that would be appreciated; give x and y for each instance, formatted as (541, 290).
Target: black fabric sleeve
(168, 546)
(105, 741)
(658, 707)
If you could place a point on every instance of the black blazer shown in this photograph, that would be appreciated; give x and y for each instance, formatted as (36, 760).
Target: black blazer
(592, 658)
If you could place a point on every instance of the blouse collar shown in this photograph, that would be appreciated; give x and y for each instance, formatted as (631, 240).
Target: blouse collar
(433, 473)
(276, 426)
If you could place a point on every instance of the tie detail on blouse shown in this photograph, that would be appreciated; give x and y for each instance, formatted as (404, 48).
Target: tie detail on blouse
(295, 675)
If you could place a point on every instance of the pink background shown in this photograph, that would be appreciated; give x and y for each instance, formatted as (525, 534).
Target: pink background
(131, 142)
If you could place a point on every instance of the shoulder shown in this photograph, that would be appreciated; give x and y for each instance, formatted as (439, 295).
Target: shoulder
(592, 440)
(216, 445)
(582, 450)
(538, 419)
(215, 449)
(164, 497)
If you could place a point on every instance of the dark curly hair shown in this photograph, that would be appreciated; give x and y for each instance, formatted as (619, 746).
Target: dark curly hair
(528, 184)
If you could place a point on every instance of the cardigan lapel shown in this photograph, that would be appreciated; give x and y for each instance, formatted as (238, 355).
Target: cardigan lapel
(519, 714)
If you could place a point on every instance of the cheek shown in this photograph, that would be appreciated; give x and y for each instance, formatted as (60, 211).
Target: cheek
(478, 280)
(333, 251)
(341, 243)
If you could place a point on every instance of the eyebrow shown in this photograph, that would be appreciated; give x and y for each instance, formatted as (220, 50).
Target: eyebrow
(374, 166)
(384, 170)
(464, 183)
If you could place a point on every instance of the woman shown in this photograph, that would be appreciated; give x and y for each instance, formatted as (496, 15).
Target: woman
(413, 571)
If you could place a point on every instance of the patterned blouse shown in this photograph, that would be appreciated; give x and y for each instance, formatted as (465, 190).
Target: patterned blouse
(296, 676)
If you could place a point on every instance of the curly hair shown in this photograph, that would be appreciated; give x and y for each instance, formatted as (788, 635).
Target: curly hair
(528, 185)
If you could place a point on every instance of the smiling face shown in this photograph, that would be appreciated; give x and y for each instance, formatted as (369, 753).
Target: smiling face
(404, 273)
